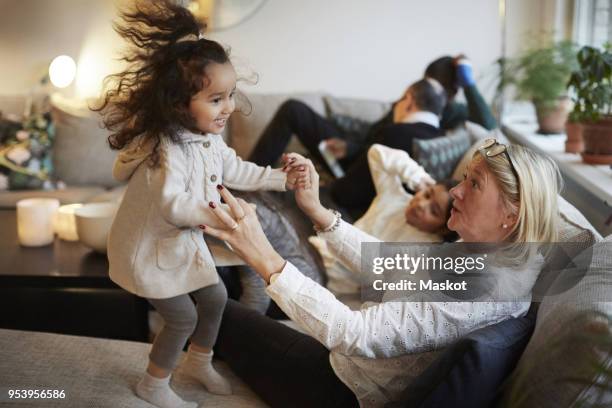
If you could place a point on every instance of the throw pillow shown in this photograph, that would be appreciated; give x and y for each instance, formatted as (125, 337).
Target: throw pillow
(25, 153)
(440, 156)
(470, 372)
(82, 155)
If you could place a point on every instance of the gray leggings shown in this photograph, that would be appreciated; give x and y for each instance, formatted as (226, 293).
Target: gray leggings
(183, 318)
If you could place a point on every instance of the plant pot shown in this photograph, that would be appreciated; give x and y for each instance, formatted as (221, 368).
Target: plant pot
(574, 142)
(552, 119)
(597, 138)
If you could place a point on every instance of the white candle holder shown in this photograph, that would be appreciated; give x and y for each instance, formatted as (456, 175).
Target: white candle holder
(35, 221)
(64, 223)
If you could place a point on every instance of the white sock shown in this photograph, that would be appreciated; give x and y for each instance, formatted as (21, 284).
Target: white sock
(157, 391)
(199, 366)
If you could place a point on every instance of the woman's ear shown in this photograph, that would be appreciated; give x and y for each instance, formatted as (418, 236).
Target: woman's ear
(510, 220)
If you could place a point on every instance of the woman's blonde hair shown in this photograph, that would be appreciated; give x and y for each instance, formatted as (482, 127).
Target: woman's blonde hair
(532, 198)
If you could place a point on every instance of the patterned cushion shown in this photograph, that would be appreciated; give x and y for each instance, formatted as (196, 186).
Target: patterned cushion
(25, 153)
(440, 156)
(350, 124)
(354, 129)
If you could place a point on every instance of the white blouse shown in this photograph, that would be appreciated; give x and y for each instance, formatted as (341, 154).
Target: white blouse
(378, 350)
(385, 218)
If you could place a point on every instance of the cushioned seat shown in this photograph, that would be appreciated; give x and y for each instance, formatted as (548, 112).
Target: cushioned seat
(96, 372)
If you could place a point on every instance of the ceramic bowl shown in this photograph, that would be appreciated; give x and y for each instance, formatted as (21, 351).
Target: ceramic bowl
(93, 222)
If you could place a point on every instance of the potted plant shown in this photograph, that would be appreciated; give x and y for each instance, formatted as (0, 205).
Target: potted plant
(573, 129)
(591, 85)
(540, 75)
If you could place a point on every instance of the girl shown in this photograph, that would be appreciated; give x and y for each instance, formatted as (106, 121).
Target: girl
(395, 215)
(166, 113)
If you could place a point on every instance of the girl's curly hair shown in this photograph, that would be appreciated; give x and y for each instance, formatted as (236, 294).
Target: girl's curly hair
(166, 67)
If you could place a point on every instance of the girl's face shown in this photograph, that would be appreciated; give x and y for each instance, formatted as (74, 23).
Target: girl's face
(478, 212)
(428, 208)
(212, 106)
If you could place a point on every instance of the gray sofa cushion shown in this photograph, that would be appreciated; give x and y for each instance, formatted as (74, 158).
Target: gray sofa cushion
(364, 109)
(82, 156)
(574, 227)
(96, 372)
(556, 368)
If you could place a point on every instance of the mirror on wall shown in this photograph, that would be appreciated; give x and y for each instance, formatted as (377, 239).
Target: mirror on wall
(224, 14)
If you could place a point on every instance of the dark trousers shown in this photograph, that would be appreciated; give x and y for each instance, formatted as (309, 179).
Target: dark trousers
(293, 118)
(284, 367)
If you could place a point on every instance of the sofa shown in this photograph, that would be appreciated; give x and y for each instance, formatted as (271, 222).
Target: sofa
(83, 161)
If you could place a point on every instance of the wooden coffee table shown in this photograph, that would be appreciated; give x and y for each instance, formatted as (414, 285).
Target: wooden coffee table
(63, 288)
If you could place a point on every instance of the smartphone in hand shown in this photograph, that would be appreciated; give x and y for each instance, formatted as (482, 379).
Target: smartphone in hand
(330, 159)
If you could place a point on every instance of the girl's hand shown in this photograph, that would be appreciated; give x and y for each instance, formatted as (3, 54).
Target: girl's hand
(242, 231)
(425, 182)
(297, 173)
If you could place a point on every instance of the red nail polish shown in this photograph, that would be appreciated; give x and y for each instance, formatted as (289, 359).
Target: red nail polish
(212, 205)
(202, 226)
(219, 187)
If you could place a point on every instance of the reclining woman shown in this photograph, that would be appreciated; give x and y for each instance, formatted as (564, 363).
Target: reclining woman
(509, 194)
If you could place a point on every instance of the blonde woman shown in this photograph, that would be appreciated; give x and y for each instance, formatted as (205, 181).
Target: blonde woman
(508, 195)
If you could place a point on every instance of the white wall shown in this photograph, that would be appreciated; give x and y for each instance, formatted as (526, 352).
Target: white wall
(33, 32)
(359, 48)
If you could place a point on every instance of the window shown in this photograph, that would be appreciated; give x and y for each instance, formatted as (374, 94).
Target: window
(593, 22)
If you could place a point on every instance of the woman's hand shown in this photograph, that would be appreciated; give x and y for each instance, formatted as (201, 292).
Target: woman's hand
(297, 174)
(242, 231)
(307, 197)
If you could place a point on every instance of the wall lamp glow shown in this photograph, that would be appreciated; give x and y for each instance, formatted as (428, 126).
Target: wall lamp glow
(62, 71)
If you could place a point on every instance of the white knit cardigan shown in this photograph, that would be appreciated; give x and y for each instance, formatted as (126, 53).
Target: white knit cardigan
(155, 248)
